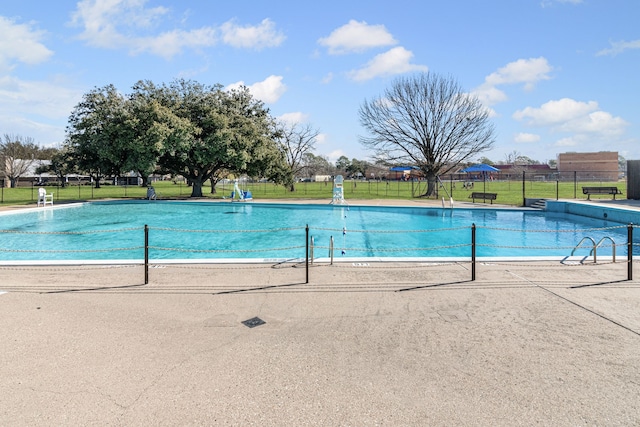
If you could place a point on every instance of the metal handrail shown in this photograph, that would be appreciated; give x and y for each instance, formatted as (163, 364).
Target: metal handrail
(592, 250)
(331, 249)
(613, 245)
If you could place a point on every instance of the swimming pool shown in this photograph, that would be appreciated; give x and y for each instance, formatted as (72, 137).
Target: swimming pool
(214, 230)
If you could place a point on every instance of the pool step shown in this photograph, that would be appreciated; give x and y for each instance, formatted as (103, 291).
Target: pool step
(539, 204)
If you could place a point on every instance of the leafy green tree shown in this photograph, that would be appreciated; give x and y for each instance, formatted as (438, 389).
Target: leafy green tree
(151, 126)
(427, 121)
(208, 129)
(343, 164)
(358, 167)
(97, 131)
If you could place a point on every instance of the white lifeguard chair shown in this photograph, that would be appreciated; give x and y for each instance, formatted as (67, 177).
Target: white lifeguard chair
(338, 191)
(44, 198)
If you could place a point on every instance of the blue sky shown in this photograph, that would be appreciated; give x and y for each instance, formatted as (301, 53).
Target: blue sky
(558, 75)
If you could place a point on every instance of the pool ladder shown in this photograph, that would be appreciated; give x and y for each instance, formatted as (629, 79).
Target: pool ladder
(594, 249)
(331, 249)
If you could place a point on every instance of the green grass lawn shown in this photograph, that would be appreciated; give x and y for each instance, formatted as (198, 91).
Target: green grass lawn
(509, 192)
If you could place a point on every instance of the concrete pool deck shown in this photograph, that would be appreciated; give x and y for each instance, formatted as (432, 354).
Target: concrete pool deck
(399, 344)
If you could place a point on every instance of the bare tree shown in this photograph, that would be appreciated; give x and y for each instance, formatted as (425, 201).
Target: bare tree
(426, 121)
(295, 141)
(17, 155)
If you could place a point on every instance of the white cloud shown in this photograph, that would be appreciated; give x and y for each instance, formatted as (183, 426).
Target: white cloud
(357, 37)
(327, 78)
(489, 95)
(335, 155)
(599, 122)
(567, 142)
(293, 118)
(556, 112)
(268, 91)
(49, 100)
(248, 36)
(547, 3)
(394, 61)
(571, 116)
(523, 71)
(172, 43)
(619, 47)
(128, 24)
(21, 43)
(527, 71)
(37, 109)
(526, 138)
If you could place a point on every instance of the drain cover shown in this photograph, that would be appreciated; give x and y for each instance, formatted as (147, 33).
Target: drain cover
(252, 323)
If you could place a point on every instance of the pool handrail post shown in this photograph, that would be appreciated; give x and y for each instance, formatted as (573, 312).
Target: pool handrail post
(331, 249)
(307, 254)
(473, 252)
(630, 251)
(146, 254)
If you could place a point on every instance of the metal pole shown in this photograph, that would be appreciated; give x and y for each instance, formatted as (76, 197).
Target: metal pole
(524, 201)
(630, 251)
(473, 252)
(575, 184)
(451, 184)
(307, 253)
(146, 254)
(331, 249)
(557, 189)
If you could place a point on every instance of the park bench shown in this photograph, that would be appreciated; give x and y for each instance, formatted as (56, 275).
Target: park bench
(483, 196)
(600, 190)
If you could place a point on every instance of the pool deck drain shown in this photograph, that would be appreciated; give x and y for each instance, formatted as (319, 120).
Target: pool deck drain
(253, 322)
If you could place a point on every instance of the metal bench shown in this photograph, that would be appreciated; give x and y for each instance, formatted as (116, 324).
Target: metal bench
(600, 190)
(483, 196)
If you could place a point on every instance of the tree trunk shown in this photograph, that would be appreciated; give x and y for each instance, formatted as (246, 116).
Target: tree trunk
(432, 186)
(292, 187)
(196, 187)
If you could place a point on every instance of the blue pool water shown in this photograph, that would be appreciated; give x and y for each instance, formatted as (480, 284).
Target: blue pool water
(200, 230)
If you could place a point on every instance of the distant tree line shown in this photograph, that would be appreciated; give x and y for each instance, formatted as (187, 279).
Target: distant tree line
(205, 133)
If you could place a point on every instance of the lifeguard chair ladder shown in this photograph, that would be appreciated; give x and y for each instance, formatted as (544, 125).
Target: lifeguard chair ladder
(338, 191)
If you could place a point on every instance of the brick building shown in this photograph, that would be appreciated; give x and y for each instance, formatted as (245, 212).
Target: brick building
(600, 166)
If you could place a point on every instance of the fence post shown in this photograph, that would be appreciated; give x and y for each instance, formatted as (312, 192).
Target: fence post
(630, 251)
(473, 252)
(307, 254)
(146, 254)
(575, 184)
(524, 201)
